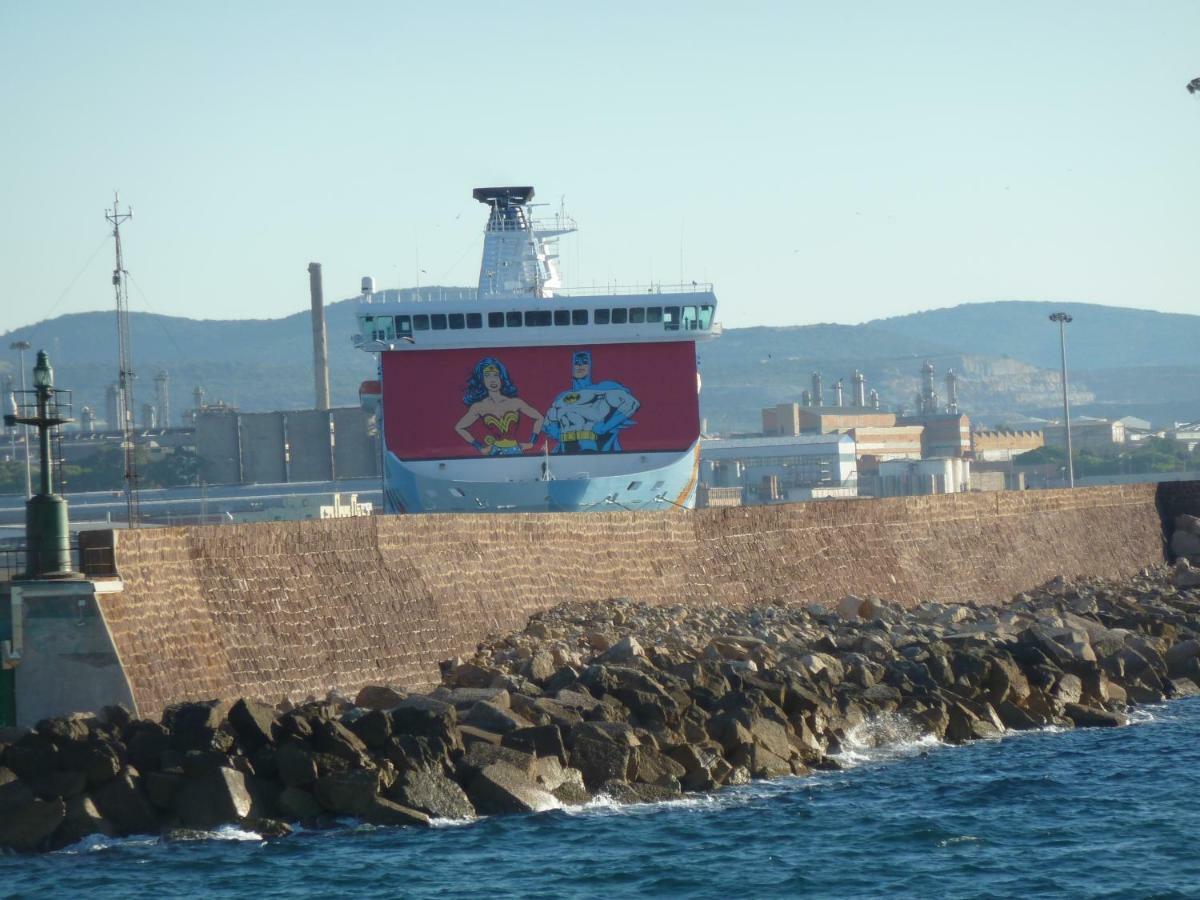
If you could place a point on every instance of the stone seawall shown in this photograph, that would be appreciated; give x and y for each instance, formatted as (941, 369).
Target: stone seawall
(297, 608)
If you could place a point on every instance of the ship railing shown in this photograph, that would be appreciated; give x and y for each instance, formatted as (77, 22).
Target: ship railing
(436, 295)
(562, 224)
(623, 290)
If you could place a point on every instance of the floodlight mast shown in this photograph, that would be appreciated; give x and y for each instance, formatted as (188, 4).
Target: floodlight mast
(1062, 319)
(125, 365)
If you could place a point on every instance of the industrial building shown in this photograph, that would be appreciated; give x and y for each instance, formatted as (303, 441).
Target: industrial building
(286, 446)
(1087, 433)
(776, 469)
(908, 477)
(1003, 446)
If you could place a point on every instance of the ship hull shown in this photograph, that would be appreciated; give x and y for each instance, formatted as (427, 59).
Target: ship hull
(576, 484)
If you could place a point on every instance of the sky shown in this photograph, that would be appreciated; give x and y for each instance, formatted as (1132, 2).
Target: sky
(816, 161)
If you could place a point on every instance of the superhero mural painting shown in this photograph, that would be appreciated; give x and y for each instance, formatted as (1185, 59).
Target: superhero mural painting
(492, 402)
(491, 397)
(589, 416)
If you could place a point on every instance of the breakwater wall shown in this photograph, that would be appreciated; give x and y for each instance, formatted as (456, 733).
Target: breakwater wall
(297, 608)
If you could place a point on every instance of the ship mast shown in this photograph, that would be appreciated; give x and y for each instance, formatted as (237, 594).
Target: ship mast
(125, 375)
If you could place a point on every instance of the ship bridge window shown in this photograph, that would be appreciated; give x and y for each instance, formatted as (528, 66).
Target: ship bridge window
(495, 320)
(421, 322)
(403, 324)
(377, 328)
(579, 317)
(619, 315)
(562, 317)
(458, 320)
(637, 315)
(601, 317)
(653, 313)
(671, 318)
(691, 318)
(512, 319)
(706, 315)
(438, 320)
(536, 318)
(474, 320)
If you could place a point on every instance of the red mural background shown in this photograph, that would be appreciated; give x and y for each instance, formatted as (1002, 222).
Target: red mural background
(423, 394)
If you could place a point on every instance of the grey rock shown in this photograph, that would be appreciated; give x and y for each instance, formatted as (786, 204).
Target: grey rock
(254, 723)
(498, 719)
(123, 803)
(1091, 717)
(82, 820)
(298, 804)
(296, 764)
(501, 788)
(217, 798)
(347, 793)
(378, 697)
(373, 728)
(431, 793)
(26, 822)
(381, 811)
(539, 740)
(419, 715)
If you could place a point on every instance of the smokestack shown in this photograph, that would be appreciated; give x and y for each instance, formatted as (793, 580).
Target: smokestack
(818, 396)
(873, 399)
(805, 398)
(320, 351)
(838, 393)
(951, 392)
(860, 389)
(198, 398)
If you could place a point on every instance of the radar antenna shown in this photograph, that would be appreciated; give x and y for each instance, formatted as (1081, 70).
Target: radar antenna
(125, 374)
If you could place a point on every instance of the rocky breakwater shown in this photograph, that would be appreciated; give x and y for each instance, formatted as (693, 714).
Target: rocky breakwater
(634, 702)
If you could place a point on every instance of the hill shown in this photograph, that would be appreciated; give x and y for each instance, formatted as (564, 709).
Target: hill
(1124, 361)
(1100, 337)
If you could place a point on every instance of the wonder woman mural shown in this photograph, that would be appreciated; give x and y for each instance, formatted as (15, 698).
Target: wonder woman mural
(491, 397)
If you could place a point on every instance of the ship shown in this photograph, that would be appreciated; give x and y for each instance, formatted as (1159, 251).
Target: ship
(523, 396)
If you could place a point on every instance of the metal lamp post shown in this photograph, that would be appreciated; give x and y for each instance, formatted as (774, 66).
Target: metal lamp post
(47, 536)
(21, 347)
(1062, 319)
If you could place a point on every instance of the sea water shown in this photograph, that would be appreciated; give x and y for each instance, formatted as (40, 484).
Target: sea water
(1084, 813)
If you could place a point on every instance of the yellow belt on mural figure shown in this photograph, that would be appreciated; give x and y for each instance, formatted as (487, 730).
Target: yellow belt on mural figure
(506, 444)
(578, 436)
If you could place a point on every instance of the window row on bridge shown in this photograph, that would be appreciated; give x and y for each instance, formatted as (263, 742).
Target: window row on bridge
(672, 318)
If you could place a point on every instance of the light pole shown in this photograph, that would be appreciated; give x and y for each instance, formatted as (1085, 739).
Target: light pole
(1062, 319)
(21, 347)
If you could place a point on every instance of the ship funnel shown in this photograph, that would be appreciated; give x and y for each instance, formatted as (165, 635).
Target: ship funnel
(320, 350)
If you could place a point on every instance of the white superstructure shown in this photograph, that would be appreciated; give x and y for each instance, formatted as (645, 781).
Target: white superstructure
(520, 312)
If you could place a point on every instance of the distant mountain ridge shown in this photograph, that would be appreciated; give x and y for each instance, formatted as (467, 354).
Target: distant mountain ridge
(1100, 337)
(1006, 353)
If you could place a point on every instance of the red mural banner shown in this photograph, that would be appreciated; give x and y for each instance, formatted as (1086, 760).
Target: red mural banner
(513, 401)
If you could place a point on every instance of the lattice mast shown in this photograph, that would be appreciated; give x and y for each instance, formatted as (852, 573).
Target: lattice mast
(125, 374)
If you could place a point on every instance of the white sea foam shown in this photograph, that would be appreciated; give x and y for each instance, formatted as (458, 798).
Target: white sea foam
(882, 738)
(94, 843)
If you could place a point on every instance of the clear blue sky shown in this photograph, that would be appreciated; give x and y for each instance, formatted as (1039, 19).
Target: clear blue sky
(817, 161)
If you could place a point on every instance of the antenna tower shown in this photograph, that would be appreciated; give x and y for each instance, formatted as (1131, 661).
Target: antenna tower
(125, 364)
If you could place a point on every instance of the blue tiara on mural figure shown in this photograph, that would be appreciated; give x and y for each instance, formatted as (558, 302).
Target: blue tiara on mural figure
(588, 417)
(491, 399)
